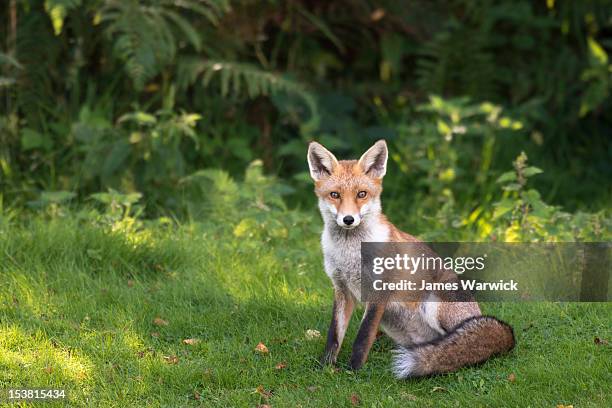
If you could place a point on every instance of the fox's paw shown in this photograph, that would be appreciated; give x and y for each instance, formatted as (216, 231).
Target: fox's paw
(355, 365)
(357, 361)
(328, 359)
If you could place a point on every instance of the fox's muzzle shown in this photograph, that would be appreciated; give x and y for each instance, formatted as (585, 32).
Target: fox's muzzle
(348, 221)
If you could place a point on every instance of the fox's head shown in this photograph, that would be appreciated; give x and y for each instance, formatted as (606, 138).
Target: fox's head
(348, 190)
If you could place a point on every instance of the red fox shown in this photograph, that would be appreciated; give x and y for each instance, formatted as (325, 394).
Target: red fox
(435, 337)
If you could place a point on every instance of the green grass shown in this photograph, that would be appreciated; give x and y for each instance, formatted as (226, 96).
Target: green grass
(78, 304)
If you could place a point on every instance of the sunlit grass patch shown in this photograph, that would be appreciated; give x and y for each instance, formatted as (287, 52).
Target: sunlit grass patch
(111, 327)
(27, 356)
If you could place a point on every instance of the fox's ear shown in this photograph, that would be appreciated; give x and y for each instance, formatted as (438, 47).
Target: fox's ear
(320, 161)
(374, 161)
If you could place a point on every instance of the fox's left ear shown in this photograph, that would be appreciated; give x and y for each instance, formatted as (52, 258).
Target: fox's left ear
(374, 161)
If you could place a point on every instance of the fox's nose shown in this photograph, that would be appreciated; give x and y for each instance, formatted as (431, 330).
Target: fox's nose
(348, 220)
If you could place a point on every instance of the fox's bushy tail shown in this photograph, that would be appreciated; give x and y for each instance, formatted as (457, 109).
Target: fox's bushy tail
(473, 341)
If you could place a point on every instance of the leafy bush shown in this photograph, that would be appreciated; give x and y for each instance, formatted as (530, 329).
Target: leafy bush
(136, 96)
(522, 216)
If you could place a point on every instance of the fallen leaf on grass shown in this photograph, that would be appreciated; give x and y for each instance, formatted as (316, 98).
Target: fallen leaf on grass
(377, 14)
(512, 377)
(171, 359)
(130, 283)
(281, 366)
(600, 342)
(355, 400)
(158, 321)
(191, 342)
(261, 348)
(408, 396)
(564, 406)
(196, 396)
(438, 389)
(264, 406)
(48, 369)
(312, 388)
(155, 334)
(312, 334)
(262, 391)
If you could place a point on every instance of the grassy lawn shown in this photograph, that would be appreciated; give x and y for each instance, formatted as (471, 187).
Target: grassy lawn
(105, 315)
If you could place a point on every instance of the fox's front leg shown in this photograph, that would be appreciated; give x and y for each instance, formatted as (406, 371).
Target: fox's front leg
(366, 334)
(342, 311)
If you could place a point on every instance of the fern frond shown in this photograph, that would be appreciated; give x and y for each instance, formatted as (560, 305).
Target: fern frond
(243, 79)
(211, 9)
(6, 59)
(458, 61)
(146, 33)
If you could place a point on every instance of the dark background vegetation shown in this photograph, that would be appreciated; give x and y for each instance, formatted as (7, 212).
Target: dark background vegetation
(157, 220)
(156, 107)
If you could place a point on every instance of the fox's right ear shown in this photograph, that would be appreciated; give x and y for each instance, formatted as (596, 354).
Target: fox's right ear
(320, 161)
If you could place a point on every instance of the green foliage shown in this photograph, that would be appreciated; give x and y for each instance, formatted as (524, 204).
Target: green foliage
(522, 215)
(447, 159)
(253, 209)
(598, 76)
(125, 131)
(7, 61)
(117, 205)
(57, 11)
(140, 150)
(136, 96)
(244, 79)
(144, 34)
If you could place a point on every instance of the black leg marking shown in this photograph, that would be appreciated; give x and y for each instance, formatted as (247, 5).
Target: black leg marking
(367, 334)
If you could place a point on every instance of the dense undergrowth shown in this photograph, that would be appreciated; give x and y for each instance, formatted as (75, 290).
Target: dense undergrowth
(139, 96)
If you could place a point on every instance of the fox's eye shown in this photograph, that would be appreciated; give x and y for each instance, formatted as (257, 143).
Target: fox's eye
(362, 194)
(334, 195)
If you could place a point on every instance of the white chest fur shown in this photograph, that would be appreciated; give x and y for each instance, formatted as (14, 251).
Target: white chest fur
(342, 253)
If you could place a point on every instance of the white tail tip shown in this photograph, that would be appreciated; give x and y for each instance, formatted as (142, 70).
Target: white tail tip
(404, 363)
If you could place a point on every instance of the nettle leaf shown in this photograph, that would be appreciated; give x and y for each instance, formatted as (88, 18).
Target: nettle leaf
(503, 207)
(506, 177)
(541, 210)
(532, 197)
(512, 187)
(532, 171)
(31, 139)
